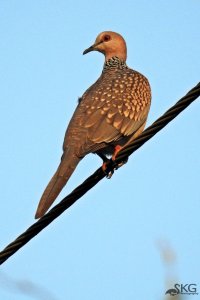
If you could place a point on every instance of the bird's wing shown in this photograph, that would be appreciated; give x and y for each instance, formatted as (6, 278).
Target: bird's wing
(118, 111)
(110, 125)
(109, 110)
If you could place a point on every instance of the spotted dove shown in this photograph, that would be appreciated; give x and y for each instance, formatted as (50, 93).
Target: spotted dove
(109, 115)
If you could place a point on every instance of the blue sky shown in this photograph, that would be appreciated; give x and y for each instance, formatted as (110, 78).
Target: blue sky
(105, 246)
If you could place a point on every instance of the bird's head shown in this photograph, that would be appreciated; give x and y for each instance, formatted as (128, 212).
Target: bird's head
(110, 44)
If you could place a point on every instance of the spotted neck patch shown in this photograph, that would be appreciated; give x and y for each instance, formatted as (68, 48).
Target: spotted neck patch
(114, 62)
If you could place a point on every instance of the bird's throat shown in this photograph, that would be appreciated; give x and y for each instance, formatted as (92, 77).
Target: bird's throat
(114, 62)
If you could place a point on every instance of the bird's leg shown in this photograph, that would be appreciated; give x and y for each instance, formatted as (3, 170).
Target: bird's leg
(121, 163)
(109, 167)
(117, 149)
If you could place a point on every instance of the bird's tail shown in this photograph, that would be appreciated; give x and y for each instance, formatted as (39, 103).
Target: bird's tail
(57, 182)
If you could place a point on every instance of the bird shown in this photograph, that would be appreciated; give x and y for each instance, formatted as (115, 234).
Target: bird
(110, 114)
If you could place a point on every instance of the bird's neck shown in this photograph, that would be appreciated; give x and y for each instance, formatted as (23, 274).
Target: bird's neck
(114, 63)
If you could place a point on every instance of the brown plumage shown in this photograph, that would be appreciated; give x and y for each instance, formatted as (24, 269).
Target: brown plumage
(111, 113)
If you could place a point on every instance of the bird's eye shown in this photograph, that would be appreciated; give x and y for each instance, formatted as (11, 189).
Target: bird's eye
(106, 38)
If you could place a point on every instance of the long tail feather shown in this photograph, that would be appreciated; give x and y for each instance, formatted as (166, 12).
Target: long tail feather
(56, 184)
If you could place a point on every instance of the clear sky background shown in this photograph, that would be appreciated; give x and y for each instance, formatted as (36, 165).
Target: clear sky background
(104, 246)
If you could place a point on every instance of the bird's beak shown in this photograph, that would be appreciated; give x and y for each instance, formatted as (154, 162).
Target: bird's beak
(91, 48)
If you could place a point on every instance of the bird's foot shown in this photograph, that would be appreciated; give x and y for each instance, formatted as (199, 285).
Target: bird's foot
(121, 163)
(108, 168)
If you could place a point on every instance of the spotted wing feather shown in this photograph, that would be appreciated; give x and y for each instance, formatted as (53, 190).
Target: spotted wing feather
(120, 110)
(116, 106)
